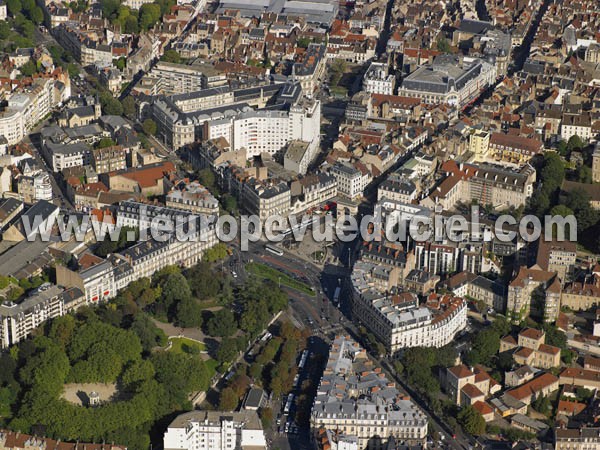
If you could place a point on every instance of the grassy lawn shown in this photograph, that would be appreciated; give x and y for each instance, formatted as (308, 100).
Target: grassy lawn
(339, 91)
(264, 271)
(212, 365)
(185, 345)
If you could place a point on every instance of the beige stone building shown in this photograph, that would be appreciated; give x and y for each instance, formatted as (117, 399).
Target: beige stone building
(559, 257)
(531, 349)
(577, 439)
(355, 398)
(109, 159)
(534, 290)
(467, 387)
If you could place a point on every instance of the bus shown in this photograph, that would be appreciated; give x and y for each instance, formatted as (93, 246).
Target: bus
(336, 295)
(302, 225)
(274, 250)
(288, 404)
(266, 337)
(303, 359)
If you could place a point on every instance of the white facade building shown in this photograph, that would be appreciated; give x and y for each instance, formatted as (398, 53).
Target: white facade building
(215, 430)
(377, 79)
(136, 4)
(400, 324)
(17, 321)
(270, 131)
(351, 180)
(26, 109)
(357, 400)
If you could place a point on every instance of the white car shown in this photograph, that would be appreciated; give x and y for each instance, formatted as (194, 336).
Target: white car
(233, 274)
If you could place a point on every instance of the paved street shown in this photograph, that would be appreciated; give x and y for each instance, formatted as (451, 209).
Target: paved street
(319, 314)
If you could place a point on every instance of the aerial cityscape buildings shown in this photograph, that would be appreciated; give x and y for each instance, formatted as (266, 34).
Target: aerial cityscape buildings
(179, 181)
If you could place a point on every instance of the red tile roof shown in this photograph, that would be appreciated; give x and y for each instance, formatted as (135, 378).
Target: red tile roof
(483, 408)
(460, 371)
(472, 391)
(570, 408)
(549, 349)
(533, 386)
(147, 176)
(581, 374)
(532, 333)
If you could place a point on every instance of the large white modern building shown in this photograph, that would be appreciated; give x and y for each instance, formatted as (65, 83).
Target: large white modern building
(215, 430)
(269, 131)
(27, 108)
(221, 112)
(355, 399)
(18, 320)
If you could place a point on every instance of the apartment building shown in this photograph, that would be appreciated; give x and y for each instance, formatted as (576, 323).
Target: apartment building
(309, 69)
(192, 197)
(28, 107)
(531, 349)
(184, 245)
(146, 258)
(397, 188)
(18, 320)
(215, 430)
(35, 187)
(14, 440)
(142, 216)
(487, 184)
(298, 156)
(500, 187)
(109, 159)
(585, 438)
(479, 142)
(391, 106)
(221, 112)
(437, 258)
(449, 80)
(514, 149)
(420, 282)
(378, 80)
(527, 393)
(352, 179)
(559, 257)
(266, 199)
(356, 399)
(580, 296)
(215, 153)
(171, 78)
(577, 125)
(312, 191)
(534, 290)
(467, 387)
(271, 131)
(479, 288)
(62, 156)
(399, 324)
